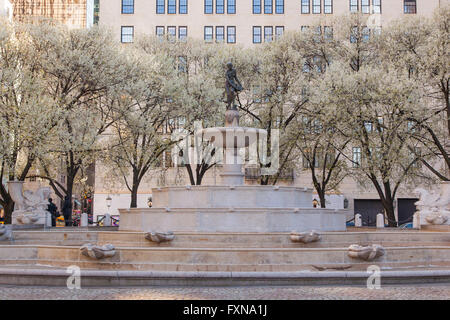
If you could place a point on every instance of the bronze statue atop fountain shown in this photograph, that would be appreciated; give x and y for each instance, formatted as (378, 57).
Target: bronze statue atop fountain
(232, 86)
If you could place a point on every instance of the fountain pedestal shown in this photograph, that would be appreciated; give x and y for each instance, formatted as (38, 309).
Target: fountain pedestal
(232, 206)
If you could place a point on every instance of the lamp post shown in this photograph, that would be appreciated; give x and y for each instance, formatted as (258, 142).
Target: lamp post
(107, 221)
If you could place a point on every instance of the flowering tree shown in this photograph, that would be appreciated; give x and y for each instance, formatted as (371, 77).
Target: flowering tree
(27, 115)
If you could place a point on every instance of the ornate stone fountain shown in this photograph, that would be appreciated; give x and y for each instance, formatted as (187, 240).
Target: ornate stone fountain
(232, 206)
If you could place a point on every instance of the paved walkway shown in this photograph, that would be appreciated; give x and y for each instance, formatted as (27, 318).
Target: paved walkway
(410, 292)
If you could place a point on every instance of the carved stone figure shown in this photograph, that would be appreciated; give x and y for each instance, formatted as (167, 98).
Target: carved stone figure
(434, 207)
(305, 237)
(159, 237)
(98, 252)
(30, 207)
(5, 233)
(368, 253)
(232, 86)
(436, 218)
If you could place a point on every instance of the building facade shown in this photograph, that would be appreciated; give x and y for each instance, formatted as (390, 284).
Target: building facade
(245, 22)
(6, 9)
(73, 13)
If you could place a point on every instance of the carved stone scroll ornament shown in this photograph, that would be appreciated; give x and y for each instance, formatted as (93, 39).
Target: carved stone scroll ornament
(5, 233)
(368, 253)
(98, 252)
(305, 237)
(159, 237)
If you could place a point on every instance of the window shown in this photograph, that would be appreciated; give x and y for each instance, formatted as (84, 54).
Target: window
(305, 6)
(365, 6)
(256, 6)
(96, 11)
(376, 5)
(304, 28)
(279, 6)
(256, 34)
(183, 7)
(127, 34)
(231, 34)
(328, 33)
(318, 34)
(160, 7)
(268, 6)
(356, 157)
(354, 6)
(279, 32)
(231, 6)
(182, 67)
(354, 35)
(220, 6)
(365, 34)
(182, 33)
(127, 6)
(172, 33)
(317, 6)
(208, 34)
(172, 6)
(208, 6)
(268, 34)
(410, 6)
(369, 126)
(160, 31)
(328, 6)
(220, 34)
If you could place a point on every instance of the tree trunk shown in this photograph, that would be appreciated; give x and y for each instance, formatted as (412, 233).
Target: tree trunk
(134, 192)
(8, 211)
(322, 198)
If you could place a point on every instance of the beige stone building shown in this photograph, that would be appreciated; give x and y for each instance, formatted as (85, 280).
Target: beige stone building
(241, 21)
(73, 13)
(245, 22)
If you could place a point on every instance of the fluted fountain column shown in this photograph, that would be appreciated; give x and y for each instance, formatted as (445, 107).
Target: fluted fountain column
(232, 168)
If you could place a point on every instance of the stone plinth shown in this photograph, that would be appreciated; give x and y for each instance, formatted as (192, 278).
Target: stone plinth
(232, 220)
(232, 197)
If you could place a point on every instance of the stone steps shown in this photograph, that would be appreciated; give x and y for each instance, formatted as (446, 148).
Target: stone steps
(41, 276)
(219, 259)
(231, 240)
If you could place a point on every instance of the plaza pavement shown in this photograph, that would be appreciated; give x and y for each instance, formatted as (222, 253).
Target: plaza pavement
(404, 292)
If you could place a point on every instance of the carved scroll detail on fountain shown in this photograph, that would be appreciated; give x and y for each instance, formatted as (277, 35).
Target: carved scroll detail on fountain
(5, 233)
(232, 118)
(159, 237)
(98, 252)
(368, 253)
(305, 237)
(434, 206)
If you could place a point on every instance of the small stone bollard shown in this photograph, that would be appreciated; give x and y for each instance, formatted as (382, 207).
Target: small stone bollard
(358, 220)
(84, 220)
(107, 220)
(416, 220)
(380, 220)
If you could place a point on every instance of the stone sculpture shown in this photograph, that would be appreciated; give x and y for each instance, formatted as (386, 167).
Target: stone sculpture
(368, 253)
(434, 207)
(436, 218)
(30, 207)
(98, 252)
(5, 233)
(159, 237)
(305, 237)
